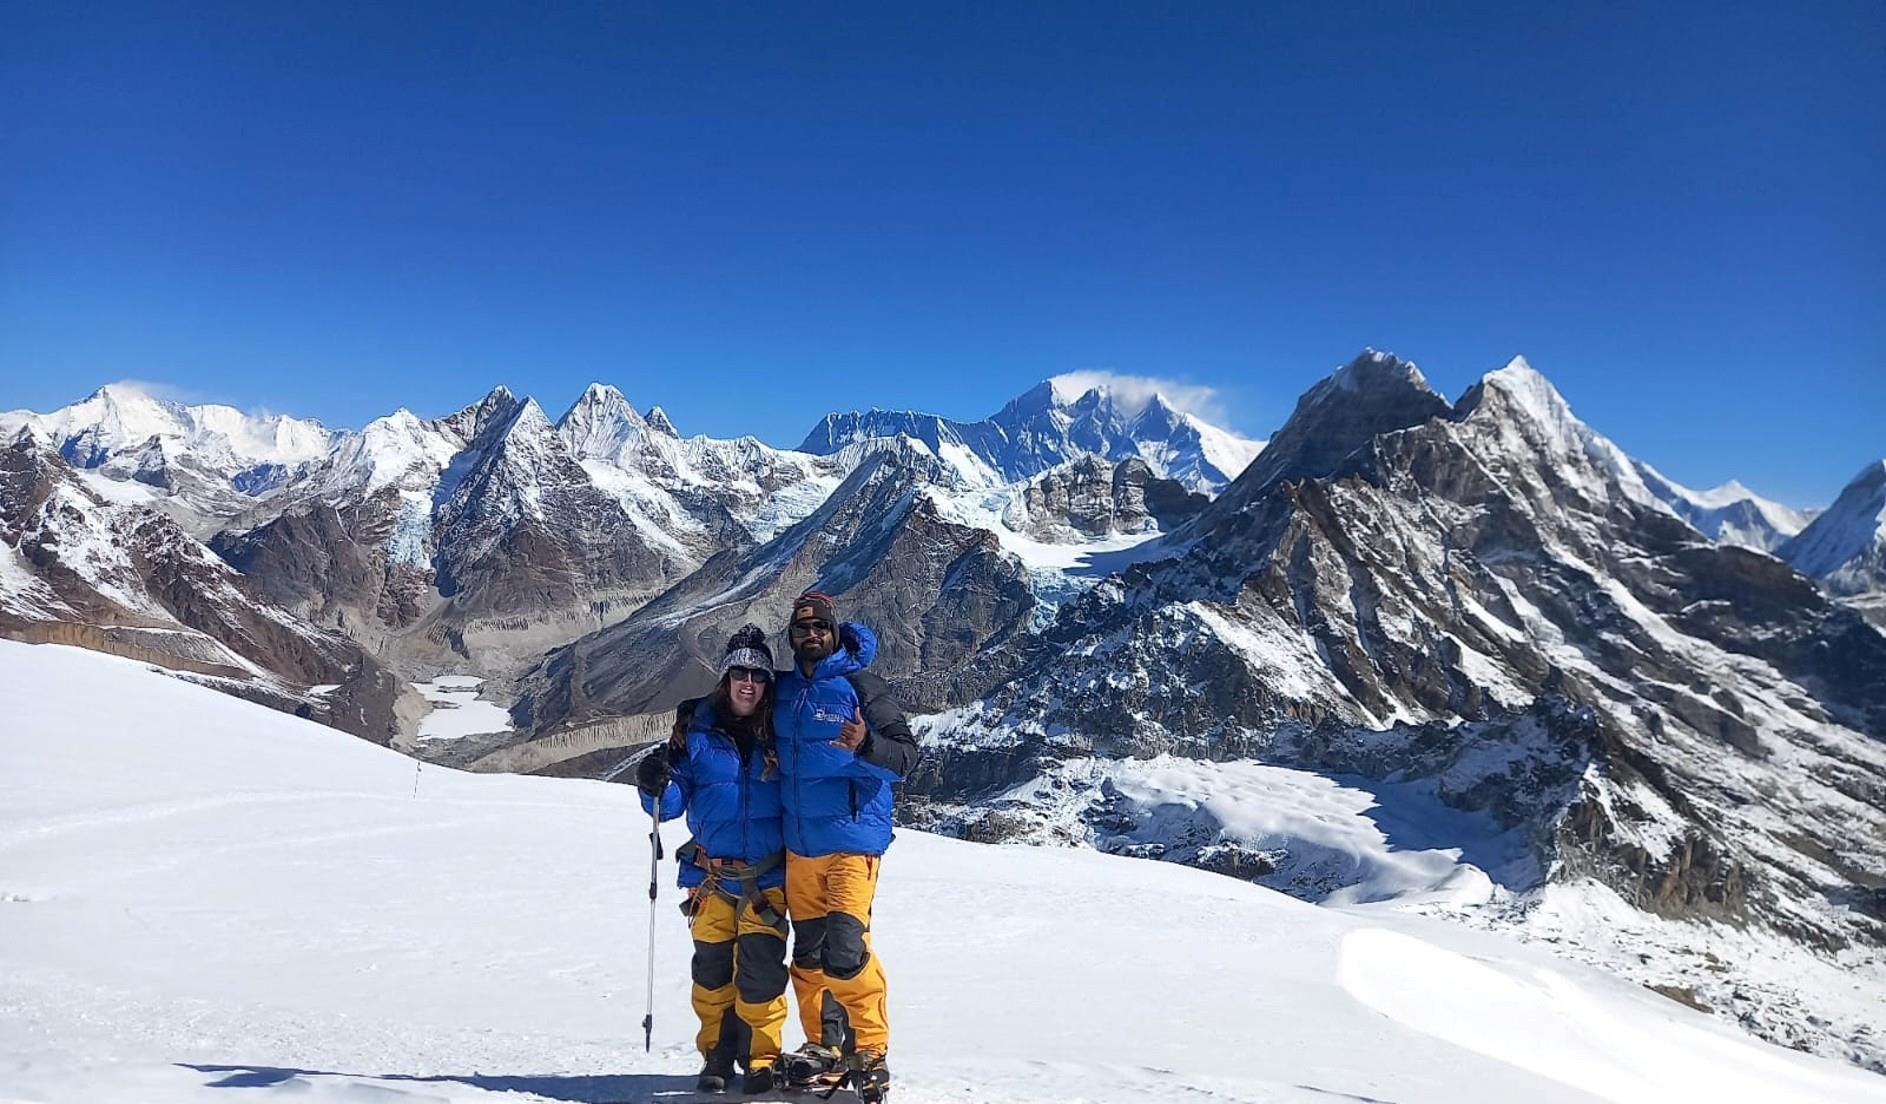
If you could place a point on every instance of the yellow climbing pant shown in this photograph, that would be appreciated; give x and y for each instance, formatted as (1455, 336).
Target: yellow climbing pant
(837, 980)
(739, 972)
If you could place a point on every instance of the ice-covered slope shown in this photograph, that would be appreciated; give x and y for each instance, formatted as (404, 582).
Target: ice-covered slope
(199, 895)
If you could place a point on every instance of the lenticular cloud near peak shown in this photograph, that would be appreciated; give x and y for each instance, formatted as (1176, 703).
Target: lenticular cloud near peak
(1132, 393)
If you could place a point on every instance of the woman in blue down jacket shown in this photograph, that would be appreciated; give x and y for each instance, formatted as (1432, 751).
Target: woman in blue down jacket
(723, 774)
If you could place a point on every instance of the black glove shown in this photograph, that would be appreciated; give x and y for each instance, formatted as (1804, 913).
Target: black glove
(653, 772)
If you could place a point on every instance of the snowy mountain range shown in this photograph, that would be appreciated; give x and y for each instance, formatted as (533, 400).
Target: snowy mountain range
(1059, 420)
(1553, 674)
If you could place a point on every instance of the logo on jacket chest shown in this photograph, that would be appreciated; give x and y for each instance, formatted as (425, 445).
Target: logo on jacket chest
(829, 715)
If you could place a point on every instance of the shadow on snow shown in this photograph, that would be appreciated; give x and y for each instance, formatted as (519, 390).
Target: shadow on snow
(630, 1088)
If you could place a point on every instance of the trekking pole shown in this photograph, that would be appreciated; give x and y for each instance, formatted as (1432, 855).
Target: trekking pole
(654, 877)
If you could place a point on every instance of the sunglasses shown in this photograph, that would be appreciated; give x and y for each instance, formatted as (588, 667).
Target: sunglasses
(748, 674)
(807, 628)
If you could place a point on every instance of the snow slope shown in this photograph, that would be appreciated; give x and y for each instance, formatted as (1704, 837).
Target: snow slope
(198, 894)
(1845, 547)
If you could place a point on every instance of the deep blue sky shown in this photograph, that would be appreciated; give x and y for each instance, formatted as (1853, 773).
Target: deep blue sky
(752, 214)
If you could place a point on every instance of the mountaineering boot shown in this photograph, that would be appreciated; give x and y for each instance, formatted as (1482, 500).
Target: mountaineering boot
(757, 1081)
(811, 1065)
(870, 1076)
(714, 1074)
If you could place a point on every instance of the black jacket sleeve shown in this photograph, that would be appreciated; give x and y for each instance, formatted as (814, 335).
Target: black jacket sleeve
(888, 742)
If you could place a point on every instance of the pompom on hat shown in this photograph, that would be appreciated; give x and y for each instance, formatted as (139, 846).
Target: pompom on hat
(747, 648)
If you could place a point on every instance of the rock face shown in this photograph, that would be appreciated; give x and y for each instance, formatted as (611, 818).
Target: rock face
(474, 542)
(1052, 424)
(1093, 498)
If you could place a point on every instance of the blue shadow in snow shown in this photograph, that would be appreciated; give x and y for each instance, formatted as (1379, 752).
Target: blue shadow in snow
(634, 1088)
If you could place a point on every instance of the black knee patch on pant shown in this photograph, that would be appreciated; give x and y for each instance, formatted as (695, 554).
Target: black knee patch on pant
(762, 973)
(845, 952)
(808, 943)
(713, 964)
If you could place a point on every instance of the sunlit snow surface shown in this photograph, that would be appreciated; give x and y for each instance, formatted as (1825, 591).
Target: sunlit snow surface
(199, 895)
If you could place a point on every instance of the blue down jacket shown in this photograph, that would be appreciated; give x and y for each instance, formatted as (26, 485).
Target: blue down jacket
(733, 809)
(837, 800)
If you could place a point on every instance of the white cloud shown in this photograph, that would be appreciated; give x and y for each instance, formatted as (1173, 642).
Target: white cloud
(1132, 393)
(163, 392)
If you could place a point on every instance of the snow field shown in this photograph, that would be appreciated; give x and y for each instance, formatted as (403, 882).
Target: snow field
(456, 710)
(198, 894)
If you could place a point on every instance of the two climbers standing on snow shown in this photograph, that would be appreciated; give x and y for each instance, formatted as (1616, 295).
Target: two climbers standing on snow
(829, 739)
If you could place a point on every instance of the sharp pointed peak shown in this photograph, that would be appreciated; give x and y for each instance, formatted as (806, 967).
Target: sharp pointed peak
(599, 392)
(658, 420)
(1530, 392)
(600, 400)
(1372, 373)
(1870, 476)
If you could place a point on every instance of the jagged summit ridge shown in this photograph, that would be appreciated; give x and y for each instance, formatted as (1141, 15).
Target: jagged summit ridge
(1056, 421)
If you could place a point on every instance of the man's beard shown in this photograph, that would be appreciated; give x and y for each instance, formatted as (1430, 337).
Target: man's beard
(813, 649)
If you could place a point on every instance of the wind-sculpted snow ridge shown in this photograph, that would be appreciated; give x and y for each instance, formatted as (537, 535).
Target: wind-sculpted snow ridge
(200, 897)
(1482, 598)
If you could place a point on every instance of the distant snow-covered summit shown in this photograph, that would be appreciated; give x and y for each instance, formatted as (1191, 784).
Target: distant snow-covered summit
(1056, 421)
(120, 418)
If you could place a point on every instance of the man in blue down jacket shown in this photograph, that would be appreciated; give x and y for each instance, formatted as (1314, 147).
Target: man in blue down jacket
(842, 742)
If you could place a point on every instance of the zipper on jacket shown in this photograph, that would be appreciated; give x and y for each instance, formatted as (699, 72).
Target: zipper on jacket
(853, 788)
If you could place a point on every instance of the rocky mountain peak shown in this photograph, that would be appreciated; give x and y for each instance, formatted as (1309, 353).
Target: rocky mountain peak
(525, 425)
(1072, 415)
(1038, 399)
(1521, 390)
(658, 421)
(472, 422)
(1373, 394)
(1374, 372)
(1730, 513)
(1523, 414)
(600, 424)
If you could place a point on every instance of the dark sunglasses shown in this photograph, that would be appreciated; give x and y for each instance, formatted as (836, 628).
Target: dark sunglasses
(807, 628)
(748, 674)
